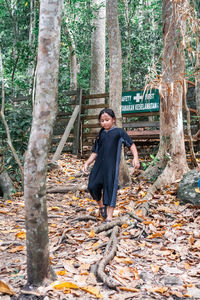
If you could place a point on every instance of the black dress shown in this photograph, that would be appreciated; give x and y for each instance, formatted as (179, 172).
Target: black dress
(104, 174)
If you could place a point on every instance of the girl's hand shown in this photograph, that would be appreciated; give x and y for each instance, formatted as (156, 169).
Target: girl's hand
(136, 163)
(85, 168)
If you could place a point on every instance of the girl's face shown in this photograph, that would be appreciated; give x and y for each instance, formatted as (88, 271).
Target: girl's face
(107, 121)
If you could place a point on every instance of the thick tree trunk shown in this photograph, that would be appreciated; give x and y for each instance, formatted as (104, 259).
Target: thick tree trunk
(115, 75)
(36, 158)
(115, 70)
(98, 60)
(171, 156)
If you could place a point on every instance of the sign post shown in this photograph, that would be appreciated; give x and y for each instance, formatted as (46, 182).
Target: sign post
(138, 101)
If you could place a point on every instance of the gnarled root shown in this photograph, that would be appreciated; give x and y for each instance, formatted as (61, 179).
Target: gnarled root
(107, 226)
(170, 174)
(108, 255)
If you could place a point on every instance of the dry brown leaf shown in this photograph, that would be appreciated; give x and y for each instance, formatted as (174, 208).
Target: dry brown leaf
(62, 285)
(16, 249)
(92, 290)
(61, 272)
(91, 234)
(177, 225)
(21, 235)
(126, 261)
(155, 269)
(128, 289)
(4, 289)
(160, 290)
(136, 274)
(155, 235)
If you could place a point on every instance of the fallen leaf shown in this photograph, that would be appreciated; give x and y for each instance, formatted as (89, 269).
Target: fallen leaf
(66, 284)
(54, 208)
(196, 244)
(16, 249)
(128, 289)
(91, 234)
(21, 235)
(155, 235)
(160, 290)
(61, 273)
(136, 275)
(4, 289)
(124, 225)
(155, 269)
(92, 290)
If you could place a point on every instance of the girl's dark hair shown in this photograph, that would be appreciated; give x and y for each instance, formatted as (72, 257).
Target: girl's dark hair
(108, 111)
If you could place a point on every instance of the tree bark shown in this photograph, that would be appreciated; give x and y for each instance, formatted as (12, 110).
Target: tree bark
(115, 76)
(98, 58)
(197, 77)
(171, 156)
(73, 60)
(35, 167)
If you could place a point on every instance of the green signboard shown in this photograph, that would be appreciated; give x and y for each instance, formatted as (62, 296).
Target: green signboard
(138, 101)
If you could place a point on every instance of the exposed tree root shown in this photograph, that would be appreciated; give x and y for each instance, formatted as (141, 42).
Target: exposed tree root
(170, 174)
(110, 251)
(84, 218)
(107, 226)
(132, 215)
(66, 189)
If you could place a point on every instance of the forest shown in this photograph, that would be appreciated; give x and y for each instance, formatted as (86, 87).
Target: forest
(58, 58)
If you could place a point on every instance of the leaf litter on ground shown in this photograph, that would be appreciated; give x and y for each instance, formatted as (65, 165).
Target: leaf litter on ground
(157, 255)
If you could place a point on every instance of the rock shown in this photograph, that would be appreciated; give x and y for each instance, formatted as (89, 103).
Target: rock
(186, 190)
(172, 280)
(145, 276)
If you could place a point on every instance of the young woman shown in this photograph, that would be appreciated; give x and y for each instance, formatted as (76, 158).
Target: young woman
(106, 152)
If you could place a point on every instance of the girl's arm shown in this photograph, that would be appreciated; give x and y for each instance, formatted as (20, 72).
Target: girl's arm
(136, 163)
(89, 161)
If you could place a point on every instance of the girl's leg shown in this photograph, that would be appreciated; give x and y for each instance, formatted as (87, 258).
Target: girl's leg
(110, 211)
(102, 209)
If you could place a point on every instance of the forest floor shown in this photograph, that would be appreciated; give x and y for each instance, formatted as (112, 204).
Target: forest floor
(154, 256)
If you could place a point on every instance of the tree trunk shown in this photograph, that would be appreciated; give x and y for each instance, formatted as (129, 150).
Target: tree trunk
(115, 76)
(35, 167)
(98, 61)
(197, 77)
(171, 157)
(115, 73)
(6, 184)
(73, 60)
(32, 22)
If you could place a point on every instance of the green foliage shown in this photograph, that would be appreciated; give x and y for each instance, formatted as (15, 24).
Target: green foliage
(154, 160)
(141, 39)
(19, 119)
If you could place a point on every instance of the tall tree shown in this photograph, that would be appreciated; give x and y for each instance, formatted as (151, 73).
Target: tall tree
(171, 156)
(115, 67)
(35, 167)
(115, 75)
(98, 53)
(197, 77)
(98, 47)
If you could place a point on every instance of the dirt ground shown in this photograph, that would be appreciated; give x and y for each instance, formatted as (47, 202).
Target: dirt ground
(154, 256)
